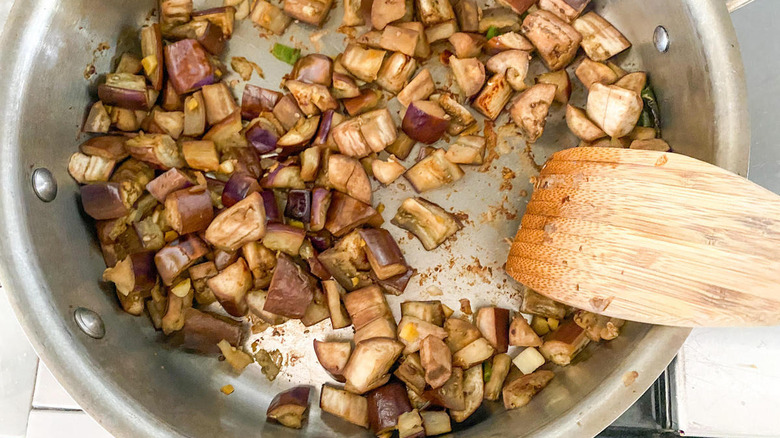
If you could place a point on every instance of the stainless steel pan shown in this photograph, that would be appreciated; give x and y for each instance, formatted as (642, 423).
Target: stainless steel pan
(135, 386)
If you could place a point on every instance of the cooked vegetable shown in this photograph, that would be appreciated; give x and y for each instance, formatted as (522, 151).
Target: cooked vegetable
(473, 392)
(103, 200)
(366, 304)
(363, 63)
(230, 287)
(177, 256)
(513, 64)
(284, 238)
(395, 72)
(366, 100)
(635, 81)
(135, 273)
(202, 331)
(399, 39)
(493, 323)
(600, 39)
(378, 328)
(521, 334)
(385, 405)
(352, 15)
(189, 210)
(493, 97)
(562, 345)
(237, 359)
(384, 12)
(614, 109)
(507, 41)
(427, 221)
(396, 285)
(581, 126)
(223, 17)
(432, 12)
(441, 31)
(270, 17)
(288, 407)
(425, 121)
(538, 304)
(528, 360)
(410, 425)
(291, 289)
(383, 253)
(418, 88)
(370, 362)
(555, 40)
(343, 404)
(88, 169)
(317, 310)
(126, 91)
(469, 149)
(433, 172)
(436, 360)
(529, 111)
(519, 392)
(411, 372)
(286, 53)
(472, 354)
(436, 422)
(412, 331)
(239, 224)
(188, 66)
(498, 371)
(219, 102)
(152, 52)
(450, 395)
(460, 333)
(567, 10)
(518, 6)
(467, 12)
(469, 74)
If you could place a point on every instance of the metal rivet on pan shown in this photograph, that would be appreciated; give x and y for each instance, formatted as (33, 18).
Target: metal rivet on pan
(661, 39)
(44, 184)
(89, 322)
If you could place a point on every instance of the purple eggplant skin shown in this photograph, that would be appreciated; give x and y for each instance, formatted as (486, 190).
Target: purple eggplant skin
(167, 183)
(313, 69)
(144, 271)
(239, 186)
(320, 203)
(179, 255)
(326, 123)
(287, 111)
(298, 205)
(189, 210)
(385, 404)
(263, 139)
(288, 407)
(103, 200)
(230, 287)
(203, 330)
(321, 240)
(272, 212)
(385, 256)
(347, 213)
(188, 66)
(397, 284)
(257, 100)
(110, 147)
(247, 160)
(212, 39)
(291, 290)
(122, 97)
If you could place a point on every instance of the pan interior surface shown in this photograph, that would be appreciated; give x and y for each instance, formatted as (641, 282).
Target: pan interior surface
(134, 384)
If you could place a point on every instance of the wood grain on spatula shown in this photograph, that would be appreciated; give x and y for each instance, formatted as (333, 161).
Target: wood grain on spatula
(651, 236)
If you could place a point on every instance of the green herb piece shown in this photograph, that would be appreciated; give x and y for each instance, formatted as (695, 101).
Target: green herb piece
(286, 54)
(487, 370)
(491, 32)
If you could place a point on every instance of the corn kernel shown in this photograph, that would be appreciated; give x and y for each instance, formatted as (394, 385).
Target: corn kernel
(540, 326)
(227, 389)
(182, 288)
(355, 281)
(380, 208)
(170, 236)
(409, 332)
(553, 323)
(298, 224)
(150, 64)
(192, 104)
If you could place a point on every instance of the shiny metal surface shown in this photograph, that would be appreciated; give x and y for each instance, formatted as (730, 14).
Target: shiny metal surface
(44, 185)
(135, 385)
(89, 322)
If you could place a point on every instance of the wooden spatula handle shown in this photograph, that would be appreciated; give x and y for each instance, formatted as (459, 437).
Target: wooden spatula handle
(651, 236)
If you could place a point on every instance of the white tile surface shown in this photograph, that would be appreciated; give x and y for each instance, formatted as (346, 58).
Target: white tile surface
(63, 424)
(49, 394)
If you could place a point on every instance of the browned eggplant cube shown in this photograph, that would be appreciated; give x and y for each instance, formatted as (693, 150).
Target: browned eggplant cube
(520, 391)
(230, 287)
(333, 356)
(289, 407)
(555, 40)
(436, 360)
(493, 323)
(562, 345)
(370, 363)
(291, 290)
(385, 405)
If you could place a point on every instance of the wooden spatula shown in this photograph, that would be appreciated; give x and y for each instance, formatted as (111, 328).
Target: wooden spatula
(650, 236)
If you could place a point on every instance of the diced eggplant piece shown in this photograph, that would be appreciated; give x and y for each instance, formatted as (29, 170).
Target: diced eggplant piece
(370, 39)
(238, 187)
(492, 99)
(418, 89)
(412, 331)
(311, 98)
(85, 169)
(284, 238)
(528, 360)
(344, 87)
(428, 311)
(255, 300)
(520, 391)
(436, 422)
(224, 17)
(174, 317)
(202, 331)
(270, 17)
(589, 72)
(493, 323)
(561, 81)
(427, 221)
(188, 66)
(412, 373)
(129, 63)
(230, 287)
(208, 34)
(566, 10)
(399, 39)
(387, 171)
(104, 200)
(329, 120)
(530, 109)
(436, 360)
(432, 11)
(642, 133)
(320, 204)
(227, 134)
(600, 39)
(441, 31)
(385, 405)
(291, 290)
(562, 345)
(152, 52)
(333, 356)
(614, 109)
(194, 115)
(110, 147)
(201, 155)
(425, 121)
(179, 255)
(396, 285)
(127, 120)
(450, 395)
(474, 353)
(378, 129)
(469, 149)
(378, 328)
(653, 144)
(502, 19)
(410, 425)
(345, 405)
(338, 314)
(301, 134)
(370, 363)
(364, 64)
(98, 120)
(498, 372)
(353, 15)
(313, 69)
(157, 149)
(347, 262)
(513, 64)
(237, 225)
(383, 253)
(219, 102)
(200, 274)
(402, 146)
(149, 233)
(395, 72)
(189, 210)
(317, 310)
(635, 81)
(237, 359)
(537, 304)
(126, 91)
(263, 134)
(423, 49)
(521, 334)
(257, 100)
(283, 177)
(460, 116)
(346, 175)
(517, 6)
(473, 392)
(350, 140)
(135, 274)
(384, 12)
(598, 327)
(289, 407)
(308, 11)
(430, 173)
(467, 45)
(166, 122)
(507, 41)
(460, 333)
(222, 259)
(468, 13)
(366, 100)
(365, 305)
(581, 126)
(287, 111)
(555, 40)
(347, 213)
